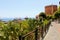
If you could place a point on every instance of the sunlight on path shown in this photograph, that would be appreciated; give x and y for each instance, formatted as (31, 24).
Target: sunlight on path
(54, 32)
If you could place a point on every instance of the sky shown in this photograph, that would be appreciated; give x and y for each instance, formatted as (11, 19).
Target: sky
(23, 8)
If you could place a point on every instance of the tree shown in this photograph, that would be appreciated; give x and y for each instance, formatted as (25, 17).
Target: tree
(57, 15)
(59, 8)
(42, 14)
(42, 17)
(32, 24)
(24, 27)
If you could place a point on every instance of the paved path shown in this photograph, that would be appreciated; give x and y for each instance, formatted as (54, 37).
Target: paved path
(54, 32)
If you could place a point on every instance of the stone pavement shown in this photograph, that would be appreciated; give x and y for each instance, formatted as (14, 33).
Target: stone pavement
(54, 32)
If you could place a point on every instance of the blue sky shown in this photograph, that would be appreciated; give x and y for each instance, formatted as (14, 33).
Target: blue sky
(23, 8)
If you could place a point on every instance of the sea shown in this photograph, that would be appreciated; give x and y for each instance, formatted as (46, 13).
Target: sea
(6, 19)
(9, 19)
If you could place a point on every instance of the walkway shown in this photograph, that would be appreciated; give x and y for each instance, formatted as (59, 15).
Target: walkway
(54, 32)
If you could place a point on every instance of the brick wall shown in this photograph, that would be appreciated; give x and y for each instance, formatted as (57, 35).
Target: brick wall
(49, 10)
